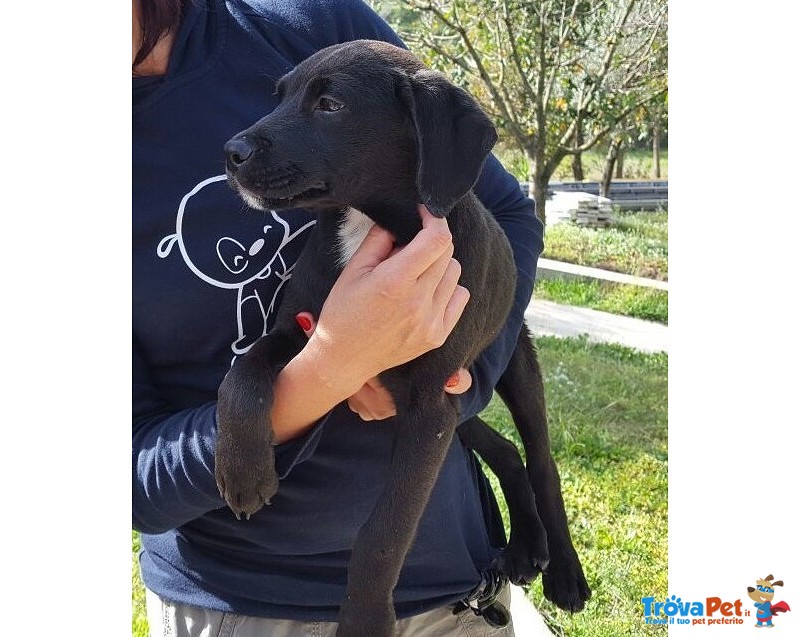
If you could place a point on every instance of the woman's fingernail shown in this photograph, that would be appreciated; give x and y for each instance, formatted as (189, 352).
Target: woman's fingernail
(303, 321)
(453, 380)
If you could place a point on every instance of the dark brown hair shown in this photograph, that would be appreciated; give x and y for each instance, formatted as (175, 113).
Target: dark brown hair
(156, 18)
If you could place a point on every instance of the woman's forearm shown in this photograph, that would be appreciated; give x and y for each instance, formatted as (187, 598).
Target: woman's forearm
(307, 389)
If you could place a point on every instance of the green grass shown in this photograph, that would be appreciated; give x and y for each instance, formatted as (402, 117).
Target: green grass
(628, 300)
(636, 244)
(139, 614)
(608, 426)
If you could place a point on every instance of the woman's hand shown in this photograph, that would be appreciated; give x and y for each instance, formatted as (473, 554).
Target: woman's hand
(373, 401)
(388, 307)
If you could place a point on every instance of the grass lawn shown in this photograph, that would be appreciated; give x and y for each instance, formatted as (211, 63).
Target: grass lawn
(628, 300)
(138, 613)
(608, 426)
(636, 243)
(608, 421)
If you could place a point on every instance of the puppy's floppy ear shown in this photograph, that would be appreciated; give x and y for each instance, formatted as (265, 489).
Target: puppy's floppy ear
(454, 137)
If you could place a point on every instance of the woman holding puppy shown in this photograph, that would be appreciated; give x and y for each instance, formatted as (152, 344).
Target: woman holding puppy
(208, 276)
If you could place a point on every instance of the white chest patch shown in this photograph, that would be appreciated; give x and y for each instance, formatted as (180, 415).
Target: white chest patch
(351, 233)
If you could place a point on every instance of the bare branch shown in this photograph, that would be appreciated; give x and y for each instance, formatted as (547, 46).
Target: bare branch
(505, 108)
(609, 56)
(565, 27)
(523, 76)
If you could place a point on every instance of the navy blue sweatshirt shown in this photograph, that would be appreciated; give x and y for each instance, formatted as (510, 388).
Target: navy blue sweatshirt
(208, 274)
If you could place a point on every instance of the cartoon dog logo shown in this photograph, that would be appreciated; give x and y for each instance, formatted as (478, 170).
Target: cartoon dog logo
(762, 595)
(250, 252)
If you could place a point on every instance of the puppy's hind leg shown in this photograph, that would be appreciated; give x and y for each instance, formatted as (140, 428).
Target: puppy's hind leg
(522, 390)
(526, 554)
(424, 430)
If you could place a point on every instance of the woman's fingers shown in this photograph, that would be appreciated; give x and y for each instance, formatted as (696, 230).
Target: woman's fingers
(432, 242)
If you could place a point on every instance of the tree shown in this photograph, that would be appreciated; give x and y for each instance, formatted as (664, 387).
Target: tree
(556, 75)
(643, 124)
(659, 126)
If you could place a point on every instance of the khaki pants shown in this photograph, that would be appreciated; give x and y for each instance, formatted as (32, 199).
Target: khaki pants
(180, 620)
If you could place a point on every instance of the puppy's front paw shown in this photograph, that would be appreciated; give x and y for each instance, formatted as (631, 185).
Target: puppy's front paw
(524, 558)
(565, 584)
(246, 481)
(244, 464)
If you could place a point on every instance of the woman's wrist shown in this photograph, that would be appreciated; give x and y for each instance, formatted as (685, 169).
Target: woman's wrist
(311, 384)
(342, 371)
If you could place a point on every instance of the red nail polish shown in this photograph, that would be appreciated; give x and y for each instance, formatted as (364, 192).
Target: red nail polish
(452, 381)
(303, 321)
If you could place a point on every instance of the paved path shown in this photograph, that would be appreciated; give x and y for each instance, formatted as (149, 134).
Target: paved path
(553, 319)
(547, 268)
(527, 620)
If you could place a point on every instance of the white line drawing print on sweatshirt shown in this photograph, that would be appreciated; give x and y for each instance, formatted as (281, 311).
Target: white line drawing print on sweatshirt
(249, 257)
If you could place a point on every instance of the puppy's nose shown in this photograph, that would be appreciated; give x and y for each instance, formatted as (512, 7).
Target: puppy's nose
(237, 151)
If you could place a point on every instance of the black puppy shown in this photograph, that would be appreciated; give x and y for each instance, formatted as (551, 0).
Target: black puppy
(364, 132)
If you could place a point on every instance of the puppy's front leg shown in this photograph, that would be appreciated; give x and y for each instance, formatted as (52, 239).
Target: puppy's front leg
(424, 431)
(244, 458)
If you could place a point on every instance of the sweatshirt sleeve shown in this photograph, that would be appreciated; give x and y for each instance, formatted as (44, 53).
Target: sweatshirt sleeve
(173, 457)
(501, 194)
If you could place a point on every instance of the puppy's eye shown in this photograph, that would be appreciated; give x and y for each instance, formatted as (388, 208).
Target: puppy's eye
(329, 105)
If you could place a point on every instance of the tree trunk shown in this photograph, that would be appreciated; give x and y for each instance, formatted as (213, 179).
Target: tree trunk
(620, 160)
(613, 156)
(540, 196)
(577, 159)
(656, 149)
(538, 188)
(577, 167)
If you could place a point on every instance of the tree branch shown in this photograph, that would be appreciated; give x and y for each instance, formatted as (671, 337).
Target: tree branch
(507, 111)
(512, 37)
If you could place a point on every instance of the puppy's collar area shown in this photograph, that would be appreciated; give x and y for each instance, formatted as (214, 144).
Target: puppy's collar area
(351, 233)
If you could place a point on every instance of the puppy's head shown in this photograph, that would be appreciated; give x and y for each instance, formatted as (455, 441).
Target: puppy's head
(359, 124)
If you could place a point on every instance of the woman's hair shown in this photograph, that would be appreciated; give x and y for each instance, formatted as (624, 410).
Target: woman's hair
(157, 17)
